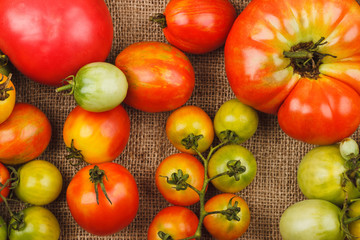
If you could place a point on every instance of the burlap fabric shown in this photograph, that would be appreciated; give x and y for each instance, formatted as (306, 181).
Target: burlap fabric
(272, 191)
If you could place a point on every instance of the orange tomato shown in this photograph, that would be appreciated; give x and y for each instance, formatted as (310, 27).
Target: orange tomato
(7, 97)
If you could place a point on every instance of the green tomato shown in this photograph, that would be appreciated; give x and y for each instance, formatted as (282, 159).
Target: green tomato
(4, 65)
(3, 229)
(98, 87)
(313, 219)
(321, 173)
(39, 224)
(354, 227)
(40, 182)
(238, 162)
(237, 117)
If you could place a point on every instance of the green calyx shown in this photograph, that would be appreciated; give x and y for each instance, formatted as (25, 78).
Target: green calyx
(191, 141)
(235, 169)
(230, 136)
(4, 89)
(178, 179)
(159, 19)
(164, 236)
(74, 153)
(70, 85)
(97, 177)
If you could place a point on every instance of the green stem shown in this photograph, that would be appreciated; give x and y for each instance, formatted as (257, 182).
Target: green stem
(350, 220)
(64, 88)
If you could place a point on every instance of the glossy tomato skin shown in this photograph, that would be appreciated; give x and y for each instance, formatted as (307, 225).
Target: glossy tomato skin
(198, 26)
(311, 219)
(217, 224)
(47, 50)
(262, 77)
(7, 104)
(40, 182)
(40, 224)
(218, 164)
(354, 227)
(121, 189)
(4, 176)
(100, 137)
(188, 164)
(320, 175)
(189, 120)
(24, 135)
(178, 222)
(161, 77)
(3, 229)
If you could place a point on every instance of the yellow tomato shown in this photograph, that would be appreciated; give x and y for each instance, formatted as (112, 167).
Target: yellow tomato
(354, 227)
(7, 97)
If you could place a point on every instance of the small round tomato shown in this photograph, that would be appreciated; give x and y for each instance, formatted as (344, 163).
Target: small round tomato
(219, 225)
(313, 219)
(96, 137)
(98, 87)
(197, 26)
(238, 163)
(24, 135)
(173, 176)
(321, 174)
(354, 227)
(190, 126)
(161, 77)
(4, 177)
(237, 117)
(3, 229)
(38, 224)
(178, 222)
(40, 182)
(103, 212)
(7, 97)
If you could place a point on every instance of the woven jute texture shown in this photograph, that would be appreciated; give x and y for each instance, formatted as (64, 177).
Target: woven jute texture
(277, 155)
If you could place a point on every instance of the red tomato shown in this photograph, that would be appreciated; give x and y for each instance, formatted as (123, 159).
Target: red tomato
(197, 26)
(178, 222)
(189, 165)
(24, 135)
(102, 217)
(315, 95)
(99, 136)
(7, 97)
(4, 176)
(50, 40)
(161, 78)
(218, 225)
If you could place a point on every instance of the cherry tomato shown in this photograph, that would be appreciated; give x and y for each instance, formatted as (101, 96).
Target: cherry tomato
(100, 137)
(3, 229)
(49, 41)
(283, 59)
(218, 225)
(239, 164)
(173, 176)
(7, 97)
(40, 182)
(24, 135)
(107, 212)
(190, 120)
(178, 222)
(237, 117)
(197, 26)
(39, 224)
(161, 77)
(4, 177)
(354, 227)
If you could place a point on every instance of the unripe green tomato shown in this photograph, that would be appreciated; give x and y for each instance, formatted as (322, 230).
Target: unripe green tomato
(3, 229)
(40, 182)
(354, 227)
(235, 116)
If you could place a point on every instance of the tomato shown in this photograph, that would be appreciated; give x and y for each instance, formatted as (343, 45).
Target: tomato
(218, 225)
(100, 137)
(354, 227)
(282, 58)
(7, 97)
(98, 87)
(190, 120)
(40, 182)
(24, 135)
(313, 219)
(161, 77)
(102, 214)
(39, 224)
(237, 117)
(178, 222)
(197, 26)
(321, 174)
(3, 229)
(48, 50)
(4, 178)
(239, 164)
(177, 191)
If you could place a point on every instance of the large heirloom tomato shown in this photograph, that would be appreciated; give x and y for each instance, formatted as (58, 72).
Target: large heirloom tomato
(106, 202)
(299, 59)
(48, 40)
(161, 77)
(24, 135)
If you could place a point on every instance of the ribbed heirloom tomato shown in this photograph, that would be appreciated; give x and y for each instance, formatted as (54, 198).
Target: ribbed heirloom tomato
(299, 59)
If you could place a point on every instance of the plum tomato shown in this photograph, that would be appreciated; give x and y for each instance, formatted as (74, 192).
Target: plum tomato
(188, 127)
(4, 179)
(7, 97)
